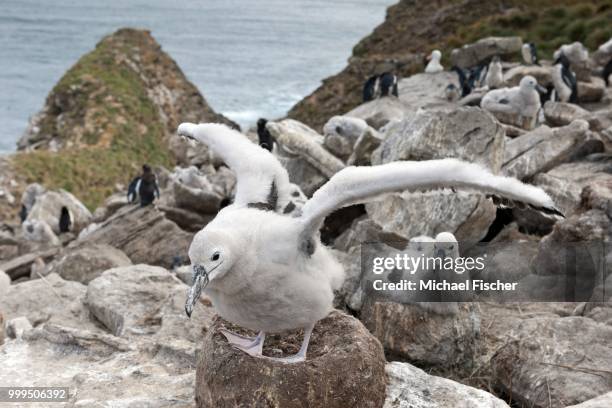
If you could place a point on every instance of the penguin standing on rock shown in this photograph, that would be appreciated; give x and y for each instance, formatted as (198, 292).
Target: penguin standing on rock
(378, 86)
(530, 54)
(566, 86)
(144, 186)
(265, 138)
(65, 220)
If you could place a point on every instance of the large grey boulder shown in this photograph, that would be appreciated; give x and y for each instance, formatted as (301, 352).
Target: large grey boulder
(345, 367)
(466, 133)
(99, 369)
(5, 283)
(412, 387)
(127, 300)
(48, 206)
(561, 114)
(541, 150)
(566, 182)
(603, 401)
(303, 154)
(472, 54)
(543, 75)
(143, 234)
(426, 91)
(85, 263)
(51, 299)
(550, 361)
(411, 332)
(380, 112)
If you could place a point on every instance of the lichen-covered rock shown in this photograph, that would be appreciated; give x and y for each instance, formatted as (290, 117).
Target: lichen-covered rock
(473, 54)
(550, 361)
(344, 367)
(412, 387)
(143, 234)
(85, 263)
(541, 150)
(48, 208)
(127, 300)
(467, 133)
(409, 331)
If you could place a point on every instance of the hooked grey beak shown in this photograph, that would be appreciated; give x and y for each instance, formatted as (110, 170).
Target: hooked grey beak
(200, 280)
(440, 253)
(541, 89)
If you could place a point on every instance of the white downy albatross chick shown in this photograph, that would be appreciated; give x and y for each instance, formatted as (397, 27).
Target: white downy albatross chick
(522, 100)
(268, 271)
(434, 64)
(494, 78)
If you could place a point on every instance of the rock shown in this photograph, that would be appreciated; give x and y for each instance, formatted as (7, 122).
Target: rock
(143, 234)
(17, 326)
(49, 205)
(127, 300)
(19, 267)
(408, 331)
(380, 112)
(566, 182)
(39, 233)
(302, 153)
(338, 146)
(48, 300)
(110, 206)
(539, 151)
(603, 401)
(467, 133)
(1, 328)
(592, 91)
(337, 341)
(363, 148)
(412, 387)
(100, 369)
(186, 219)
(561, 114)
(472, 54)
(30, 194)
(298, 138)
(200, 201)
(426, 91)
(346, 127)
(542, 74)
(545, 363)
(85, 263)
(5, 283)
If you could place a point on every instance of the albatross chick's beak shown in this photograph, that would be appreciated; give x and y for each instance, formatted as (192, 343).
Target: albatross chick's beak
(200, 280)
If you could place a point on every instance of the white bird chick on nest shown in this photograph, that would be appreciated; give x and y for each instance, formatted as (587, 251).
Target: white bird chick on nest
(434, 65)
(522, 100)
(265, 269)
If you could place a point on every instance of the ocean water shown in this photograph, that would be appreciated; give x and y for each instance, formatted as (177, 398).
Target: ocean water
(250, 58)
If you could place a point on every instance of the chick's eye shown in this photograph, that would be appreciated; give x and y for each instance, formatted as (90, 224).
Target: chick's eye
(215, 256)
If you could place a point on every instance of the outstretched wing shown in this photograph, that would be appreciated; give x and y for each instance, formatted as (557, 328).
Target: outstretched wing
(261, 181)
(354, 185)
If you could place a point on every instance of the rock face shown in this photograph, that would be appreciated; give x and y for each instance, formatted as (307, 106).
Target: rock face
(146, 287)
(472, 54)
(603, 401)
(143, 234)
(548, 364)
(541, 150)
(48, 208)
(414, 388)
(339, 342)
(467, 133)
(408, 331)
(84, 264)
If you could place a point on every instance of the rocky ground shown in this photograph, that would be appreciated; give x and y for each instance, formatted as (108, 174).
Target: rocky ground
(100, 309)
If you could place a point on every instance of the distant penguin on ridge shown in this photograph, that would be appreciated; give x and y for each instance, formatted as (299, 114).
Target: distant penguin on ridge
(65, 220)
(145, 186)
(265, 138)
(451, 93)
(566, 86)
(530, 54)
(378, 86)
(434, 64)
